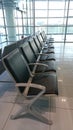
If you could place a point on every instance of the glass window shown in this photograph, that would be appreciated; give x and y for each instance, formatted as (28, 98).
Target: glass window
(56, 13)
(69, 29)
(53, 21)
(70, 21)
(30, 14)
(40, 29)
(71, 5)
(29, 22)
(28, 30)
(19, 22)
(41, 22)
(40, 13)
(69, 38)
(40, 4)
(1, 21)
(71, 12)
(55, 29)
(58, 38)
(47, 15)
(56, 4)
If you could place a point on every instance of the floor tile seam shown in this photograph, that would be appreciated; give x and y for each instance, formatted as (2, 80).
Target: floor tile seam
(9, 82)
(59, 97)
(14, 102)
(6, 102)
(66, 86)
(8, 117)
(63, 108)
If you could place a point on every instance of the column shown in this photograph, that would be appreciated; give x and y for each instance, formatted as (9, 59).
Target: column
(10, 23)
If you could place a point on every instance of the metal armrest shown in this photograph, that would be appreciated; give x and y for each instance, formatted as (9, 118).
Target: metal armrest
(42, 54)
(29, 70)
(48, 44)
(43, 43)
(30, 85)
(41, 64)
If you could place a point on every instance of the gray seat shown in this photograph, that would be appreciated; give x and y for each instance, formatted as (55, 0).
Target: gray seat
(44, 50)
(49, 41)
(11, 47)
(26, 84)
(43, 35)
(45, 66)
(45, 44)
(43, 56)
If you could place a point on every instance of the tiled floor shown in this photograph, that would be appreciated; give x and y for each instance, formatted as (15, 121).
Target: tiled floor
(60, 109)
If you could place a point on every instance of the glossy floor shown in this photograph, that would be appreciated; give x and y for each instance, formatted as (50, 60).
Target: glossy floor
(59, 109)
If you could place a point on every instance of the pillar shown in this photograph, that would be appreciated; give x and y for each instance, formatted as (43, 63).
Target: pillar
(10, 23)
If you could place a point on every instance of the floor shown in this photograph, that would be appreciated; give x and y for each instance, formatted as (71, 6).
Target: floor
(60, 108)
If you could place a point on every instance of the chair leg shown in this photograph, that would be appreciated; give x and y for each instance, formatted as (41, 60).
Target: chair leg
(23, 110)
(29, 109)
(27, 106)
(40, 117)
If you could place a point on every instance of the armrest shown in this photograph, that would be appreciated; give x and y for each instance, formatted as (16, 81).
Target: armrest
(29, 70)
(28, 85)
(41, 64)
(42, 54)
(43, 43)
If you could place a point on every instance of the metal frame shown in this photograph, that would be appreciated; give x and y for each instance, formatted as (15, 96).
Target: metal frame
(28, 103)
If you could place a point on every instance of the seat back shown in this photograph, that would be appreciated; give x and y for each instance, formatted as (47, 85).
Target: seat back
(28, 53)
(9, 48)
(43, 35)
(33, 47)
(37, 43)
(16, 65)
(40, 39)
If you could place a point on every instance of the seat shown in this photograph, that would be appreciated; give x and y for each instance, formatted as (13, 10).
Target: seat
(43, 56)
(45, 44)
(44, 50)
(9, 48)
(17, 67)
(45, 66)
(44, 37)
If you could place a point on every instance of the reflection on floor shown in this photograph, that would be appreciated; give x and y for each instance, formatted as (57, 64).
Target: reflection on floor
(58, 109)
